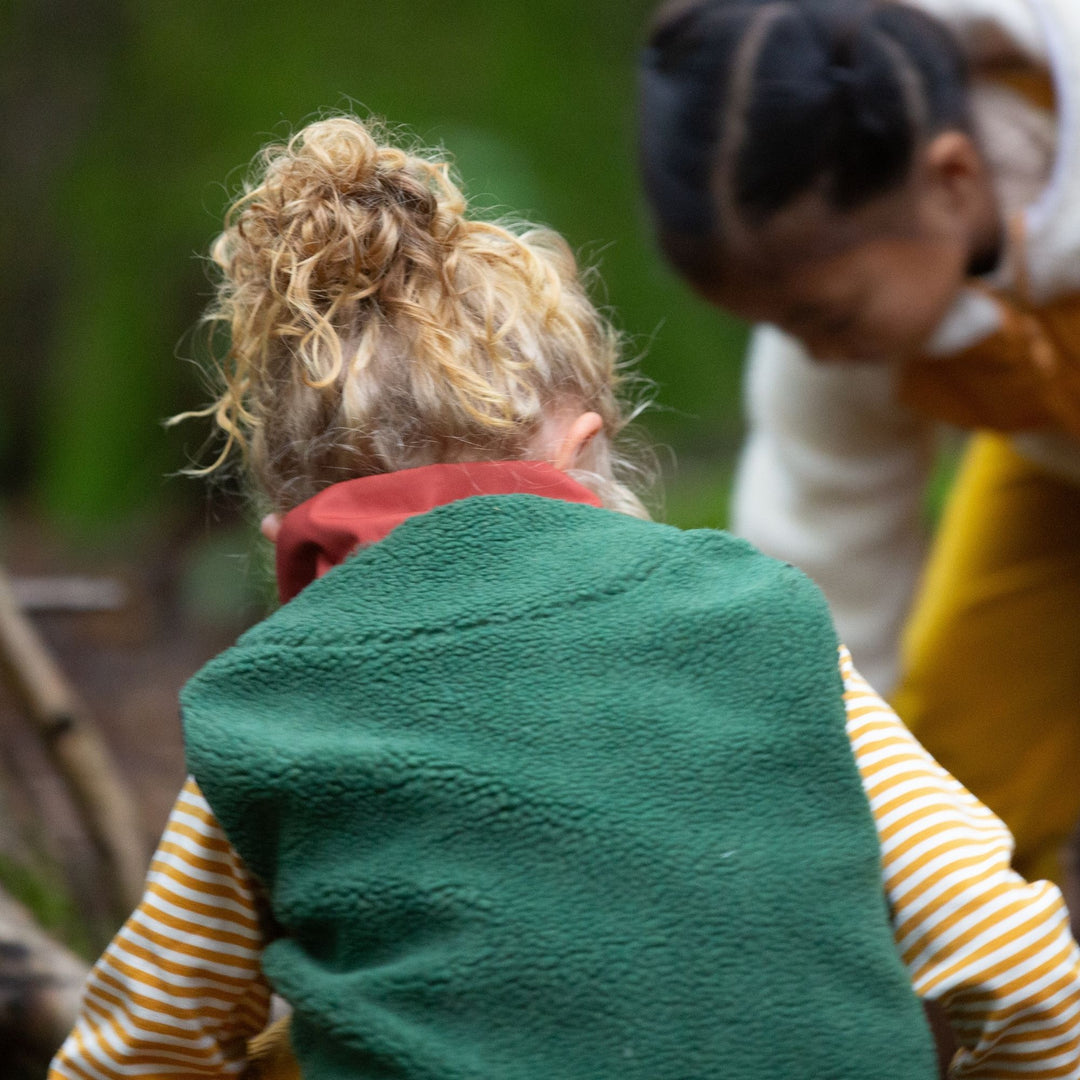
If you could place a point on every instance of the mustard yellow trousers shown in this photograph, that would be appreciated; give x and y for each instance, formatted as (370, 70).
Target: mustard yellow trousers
(992, 650)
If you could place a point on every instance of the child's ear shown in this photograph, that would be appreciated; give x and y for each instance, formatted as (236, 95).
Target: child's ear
(270, 527)
(957, 172)
(578, 435)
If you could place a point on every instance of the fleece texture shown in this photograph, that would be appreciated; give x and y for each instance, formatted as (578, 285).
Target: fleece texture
(542, 792)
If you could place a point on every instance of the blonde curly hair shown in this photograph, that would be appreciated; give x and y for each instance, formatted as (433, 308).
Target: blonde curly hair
(372, 326)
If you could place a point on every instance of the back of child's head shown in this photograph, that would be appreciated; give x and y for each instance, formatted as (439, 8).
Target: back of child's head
(746, 105)
(372, 326)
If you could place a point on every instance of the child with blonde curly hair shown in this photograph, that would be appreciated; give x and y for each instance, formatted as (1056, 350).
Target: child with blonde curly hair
(375, 328)
(515, 785)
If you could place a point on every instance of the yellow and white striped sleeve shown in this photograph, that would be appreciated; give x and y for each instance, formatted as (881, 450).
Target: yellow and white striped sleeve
(179, 989)
(993, 949)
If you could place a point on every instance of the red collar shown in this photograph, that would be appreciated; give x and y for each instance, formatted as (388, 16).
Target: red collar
(330, 526)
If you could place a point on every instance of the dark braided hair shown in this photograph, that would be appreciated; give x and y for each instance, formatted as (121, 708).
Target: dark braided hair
(747, 104)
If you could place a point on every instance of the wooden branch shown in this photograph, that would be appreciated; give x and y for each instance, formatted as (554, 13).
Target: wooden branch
(79, 755)
(40, 984)
(69, 593)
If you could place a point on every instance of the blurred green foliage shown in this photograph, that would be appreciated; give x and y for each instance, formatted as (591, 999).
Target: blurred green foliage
(130, 123)
(42, 890)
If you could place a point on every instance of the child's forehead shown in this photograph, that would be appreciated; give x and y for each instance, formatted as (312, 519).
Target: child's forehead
(780, 298)
(792, 286)
(809, 230)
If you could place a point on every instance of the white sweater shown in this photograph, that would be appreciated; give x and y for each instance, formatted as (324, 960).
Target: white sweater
(833, 474)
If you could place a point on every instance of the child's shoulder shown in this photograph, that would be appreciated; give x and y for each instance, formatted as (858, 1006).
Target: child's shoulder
(496, 558)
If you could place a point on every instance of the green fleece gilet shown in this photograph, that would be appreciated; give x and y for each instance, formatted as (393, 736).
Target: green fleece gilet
(543, 792)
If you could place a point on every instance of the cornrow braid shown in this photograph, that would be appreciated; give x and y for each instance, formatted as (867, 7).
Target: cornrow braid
(747, 104)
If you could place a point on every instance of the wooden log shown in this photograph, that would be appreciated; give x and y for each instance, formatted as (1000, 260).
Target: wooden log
(40, 984)
(68, 593)
(77, 752)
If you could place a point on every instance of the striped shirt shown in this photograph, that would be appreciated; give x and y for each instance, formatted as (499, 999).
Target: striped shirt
(180, 990)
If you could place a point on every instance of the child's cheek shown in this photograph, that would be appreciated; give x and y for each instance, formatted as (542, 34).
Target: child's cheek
(909, 314)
